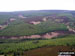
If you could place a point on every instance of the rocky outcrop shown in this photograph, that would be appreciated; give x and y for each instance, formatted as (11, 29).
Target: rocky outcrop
(12, 19)
(70, 29)
(0, 27)
(35, 22)
(3, 26)
(21, 16)
(51, 35)
(44, 19)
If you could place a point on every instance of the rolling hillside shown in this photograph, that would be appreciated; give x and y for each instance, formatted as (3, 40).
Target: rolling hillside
(26, 23)
(45, 32)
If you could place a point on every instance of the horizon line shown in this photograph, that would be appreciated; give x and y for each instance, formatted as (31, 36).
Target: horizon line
(37, 10)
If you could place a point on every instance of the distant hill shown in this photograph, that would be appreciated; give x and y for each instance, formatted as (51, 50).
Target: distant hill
(35, 22)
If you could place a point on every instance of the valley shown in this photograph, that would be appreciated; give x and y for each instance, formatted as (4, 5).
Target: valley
(45, 32)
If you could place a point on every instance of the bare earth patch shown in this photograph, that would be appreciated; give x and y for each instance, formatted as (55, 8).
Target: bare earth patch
(35, 22)
(47, 51)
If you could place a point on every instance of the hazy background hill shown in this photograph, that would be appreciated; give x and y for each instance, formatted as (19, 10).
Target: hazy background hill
(19, 23)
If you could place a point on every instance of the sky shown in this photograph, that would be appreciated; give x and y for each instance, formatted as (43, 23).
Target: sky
(21, 5)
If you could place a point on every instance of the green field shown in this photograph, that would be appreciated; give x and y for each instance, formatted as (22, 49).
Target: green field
(8, 46)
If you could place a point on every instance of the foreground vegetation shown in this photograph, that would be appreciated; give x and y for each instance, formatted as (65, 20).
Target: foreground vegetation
(8, 46)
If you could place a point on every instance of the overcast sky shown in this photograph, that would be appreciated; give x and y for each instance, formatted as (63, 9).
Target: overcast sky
(18, 5)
